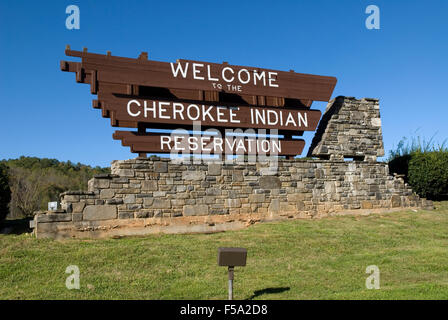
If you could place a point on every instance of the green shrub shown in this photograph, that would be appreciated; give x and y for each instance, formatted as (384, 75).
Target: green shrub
(5, 192)
(400, 165)
(428, 174)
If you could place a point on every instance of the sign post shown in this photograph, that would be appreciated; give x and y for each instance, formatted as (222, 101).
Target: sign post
(231, 257)
(231, 283)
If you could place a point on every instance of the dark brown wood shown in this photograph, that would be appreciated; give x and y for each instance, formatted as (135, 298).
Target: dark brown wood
(93, 82)
(160, 74)
(243, 116)
(227, 97)
(141, 131)
(151, 143)
(186, 94)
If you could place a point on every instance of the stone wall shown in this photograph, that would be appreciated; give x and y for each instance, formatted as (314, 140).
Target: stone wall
(143, 196)
(349, 128)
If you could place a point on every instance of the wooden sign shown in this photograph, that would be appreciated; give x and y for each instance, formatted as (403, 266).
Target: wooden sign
(195, 75)
(141, 93)
(182, 113)
(206, 144)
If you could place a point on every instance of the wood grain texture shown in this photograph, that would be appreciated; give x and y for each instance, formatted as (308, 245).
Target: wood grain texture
(159, 74)
(151, 143)
(227, 96)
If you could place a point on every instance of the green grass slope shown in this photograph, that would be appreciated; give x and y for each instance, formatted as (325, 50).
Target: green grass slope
(300, 259)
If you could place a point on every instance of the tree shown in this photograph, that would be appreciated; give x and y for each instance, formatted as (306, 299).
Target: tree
(25, 187)
(5, 192)
(35, 181)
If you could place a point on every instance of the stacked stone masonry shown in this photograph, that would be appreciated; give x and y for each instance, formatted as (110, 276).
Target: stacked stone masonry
(143, 196)
(157, 192)
(349, 128)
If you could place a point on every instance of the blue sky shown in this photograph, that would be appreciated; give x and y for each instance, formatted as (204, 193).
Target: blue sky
(47, 114)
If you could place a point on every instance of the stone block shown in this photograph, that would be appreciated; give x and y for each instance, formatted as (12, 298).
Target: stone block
(161, 166)
(126, 172)
(376, 122)
(101, 183)
(178, 203)
(395, 201)
(300, 205)
(195, 210)
(99, 212)
(193, 175)
(294, 197)
(219, 211)
(365, 204)
(54, 217)
(77, 216)
(214, 169)
(237, 176)
(257, 198)
(274, 206)
(66, 207)
(114, 201)
(107, 193)
(125, 215)
(213, 192)
(71, 198)
(78, 207)
(133, 206)
(287, 207)
(209, 199)
(161, 204)
(143, 214)
(270, 182)
(233, 203)
(129, 198)
(149, 185)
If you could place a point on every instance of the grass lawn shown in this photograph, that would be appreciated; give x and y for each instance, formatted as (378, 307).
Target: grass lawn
(296, 259)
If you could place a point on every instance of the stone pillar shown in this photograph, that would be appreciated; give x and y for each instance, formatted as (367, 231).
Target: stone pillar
(349, 128)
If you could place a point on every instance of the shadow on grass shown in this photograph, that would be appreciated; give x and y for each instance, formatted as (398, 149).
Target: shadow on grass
(17, 226)
(261, 292)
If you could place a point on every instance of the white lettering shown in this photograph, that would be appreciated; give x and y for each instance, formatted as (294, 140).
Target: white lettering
(206, 113)
(303, 119)
(270, 120)
(272, 79)
(193, 106)
(146, 109)
(179, 68)
(224, 74)
(209, 74)
(248, 76)
(129, 108)
(195, 71)
(163, 110)
(165, 140)
(220, 114)
(233, 115)
(177, 105)
(259, 76)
